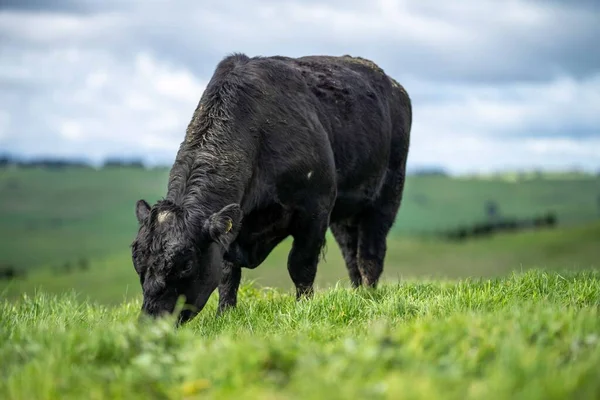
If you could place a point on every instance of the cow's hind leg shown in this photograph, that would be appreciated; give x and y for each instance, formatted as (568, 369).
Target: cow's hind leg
(309, 238)
(372, 246)
(375, 224)
(346, 235)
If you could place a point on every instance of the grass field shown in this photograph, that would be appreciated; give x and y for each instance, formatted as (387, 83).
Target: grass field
(528, 336)
(112, 279)
(49, 218)
(509, 316)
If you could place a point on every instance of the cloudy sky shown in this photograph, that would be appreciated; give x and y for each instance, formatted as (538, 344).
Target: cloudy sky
(495, 84)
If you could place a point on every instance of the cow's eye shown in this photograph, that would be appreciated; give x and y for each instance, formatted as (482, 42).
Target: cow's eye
(187, 264)
(187, 269)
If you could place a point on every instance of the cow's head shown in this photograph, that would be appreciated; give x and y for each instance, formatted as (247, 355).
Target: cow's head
(177, 253)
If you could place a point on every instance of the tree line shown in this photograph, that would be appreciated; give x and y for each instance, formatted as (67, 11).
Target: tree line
(63, 162)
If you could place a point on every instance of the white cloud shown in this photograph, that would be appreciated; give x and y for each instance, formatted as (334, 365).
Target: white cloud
(96, 80)
(515, 108)
(467, 153)
(70, 130)
(564, 146)
(128, 105)
(474, 39)
(528, 123)
(177, 84)
(53, 28)
(494, 83)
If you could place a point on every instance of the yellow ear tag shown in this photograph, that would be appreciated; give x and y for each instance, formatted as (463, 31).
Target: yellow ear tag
(229, 225)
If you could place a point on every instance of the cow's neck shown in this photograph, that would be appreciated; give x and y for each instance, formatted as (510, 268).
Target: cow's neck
(214, 163)
(205, 179)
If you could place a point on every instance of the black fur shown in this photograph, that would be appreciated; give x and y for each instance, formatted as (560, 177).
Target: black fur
(277, 146)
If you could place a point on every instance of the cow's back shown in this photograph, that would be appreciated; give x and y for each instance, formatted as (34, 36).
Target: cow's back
(367, 116)
(324, 107)
(351, 97)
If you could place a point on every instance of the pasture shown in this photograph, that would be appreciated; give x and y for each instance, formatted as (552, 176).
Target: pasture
(112, 279)
(514, 315)
(527, 336)
(49, 218)
(71, 229)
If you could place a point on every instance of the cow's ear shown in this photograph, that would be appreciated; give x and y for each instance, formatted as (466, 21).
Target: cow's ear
(224, 225)
(142, 210)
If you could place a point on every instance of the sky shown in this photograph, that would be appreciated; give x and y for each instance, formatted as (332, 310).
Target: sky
(495, 85)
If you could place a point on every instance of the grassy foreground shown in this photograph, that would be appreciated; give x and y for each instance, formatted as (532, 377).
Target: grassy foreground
(532, 335)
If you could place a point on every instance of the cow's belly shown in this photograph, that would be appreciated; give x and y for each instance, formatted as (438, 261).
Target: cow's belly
(347, 206)
(262, 229)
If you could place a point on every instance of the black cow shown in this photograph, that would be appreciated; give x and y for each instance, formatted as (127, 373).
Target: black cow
(277, 146)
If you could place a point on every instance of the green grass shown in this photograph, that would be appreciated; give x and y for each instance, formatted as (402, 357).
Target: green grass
(528, 336)
(112, 279)
(437, 203)
(49, 218)
(54, 217)
(431, 331)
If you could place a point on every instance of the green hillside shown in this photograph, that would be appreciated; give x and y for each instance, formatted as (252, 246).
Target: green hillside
(52, 217)
(49, 218)
(112, 278)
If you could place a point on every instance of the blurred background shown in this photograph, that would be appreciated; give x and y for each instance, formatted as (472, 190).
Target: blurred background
(504, 159)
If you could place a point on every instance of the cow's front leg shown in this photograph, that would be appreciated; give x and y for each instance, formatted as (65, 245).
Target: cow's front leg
(246, 256)
(309, 238)
(229, 285)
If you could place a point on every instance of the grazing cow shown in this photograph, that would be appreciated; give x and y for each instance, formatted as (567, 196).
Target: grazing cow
(277, 147)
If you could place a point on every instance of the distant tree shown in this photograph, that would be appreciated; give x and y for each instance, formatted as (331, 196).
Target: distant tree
(52, 163)
(136, 164)
(8, 272)
(491, 209)
(551, 219)
(429, 171)
(5, 161)
(84, 264)
(114, 162)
